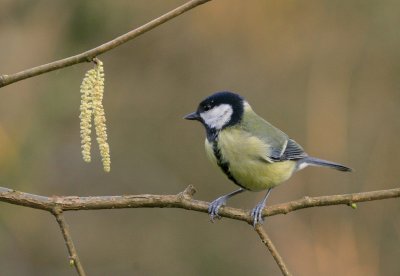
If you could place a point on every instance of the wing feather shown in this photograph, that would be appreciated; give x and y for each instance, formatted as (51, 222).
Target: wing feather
(293, 151)
(280, 146)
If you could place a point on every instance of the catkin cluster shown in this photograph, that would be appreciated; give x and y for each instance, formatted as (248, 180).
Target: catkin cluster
(92, 91)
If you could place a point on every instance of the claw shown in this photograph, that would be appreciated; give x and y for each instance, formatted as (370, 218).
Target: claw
(256, 213)
(214, 207)
(216, 204)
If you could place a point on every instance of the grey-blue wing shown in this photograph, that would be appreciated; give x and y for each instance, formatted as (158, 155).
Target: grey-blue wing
(293, 151)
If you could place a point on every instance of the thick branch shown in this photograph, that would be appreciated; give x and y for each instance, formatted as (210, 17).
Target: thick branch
(182, 200)
(90, 54)
(57, 204)
(73, 255)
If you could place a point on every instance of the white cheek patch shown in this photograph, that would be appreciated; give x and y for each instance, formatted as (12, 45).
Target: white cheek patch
(218, 116)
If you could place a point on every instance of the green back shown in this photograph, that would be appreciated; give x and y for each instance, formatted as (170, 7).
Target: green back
(272, 136)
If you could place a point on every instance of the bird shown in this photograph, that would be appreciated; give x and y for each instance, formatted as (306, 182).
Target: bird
(253, 154)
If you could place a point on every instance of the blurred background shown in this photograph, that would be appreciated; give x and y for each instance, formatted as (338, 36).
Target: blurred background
(325, 72)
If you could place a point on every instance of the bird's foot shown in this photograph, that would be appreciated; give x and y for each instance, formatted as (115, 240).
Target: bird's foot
(256, 213)
(214, 207)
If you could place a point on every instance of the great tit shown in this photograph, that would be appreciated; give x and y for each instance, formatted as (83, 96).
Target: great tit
(251, 152)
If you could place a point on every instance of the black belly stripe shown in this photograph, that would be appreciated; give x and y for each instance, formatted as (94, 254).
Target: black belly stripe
(224, 165)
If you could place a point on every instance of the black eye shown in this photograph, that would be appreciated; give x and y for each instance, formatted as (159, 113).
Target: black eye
(206, 107)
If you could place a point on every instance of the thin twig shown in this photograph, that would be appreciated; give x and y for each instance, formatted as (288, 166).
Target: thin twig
(275, 254)
(90, 54)
(182, 200)
(73, 255)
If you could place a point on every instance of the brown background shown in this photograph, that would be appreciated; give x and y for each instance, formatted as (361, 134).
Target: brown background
(325, 72)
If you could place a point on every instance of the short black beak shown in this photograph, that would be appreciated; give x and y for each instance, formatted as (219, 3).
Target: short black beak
(192, 116)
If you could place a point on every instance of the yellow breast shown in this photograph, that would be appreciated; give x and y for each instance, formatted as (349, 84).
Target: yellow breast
(247, 157)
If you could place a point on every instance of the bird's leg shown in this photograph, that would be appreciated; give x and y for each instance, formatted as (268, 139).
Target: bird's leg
(216, 204)
(256, 213)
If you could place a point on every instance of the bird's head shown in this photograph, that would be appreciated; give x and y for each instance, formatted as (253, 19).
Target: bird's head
(219, 110)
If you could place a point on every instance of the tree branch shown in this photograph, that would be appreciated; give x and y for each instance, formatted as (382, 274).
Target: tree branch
(182, 200)
(73, 255)
(90, 54)
(275, 254)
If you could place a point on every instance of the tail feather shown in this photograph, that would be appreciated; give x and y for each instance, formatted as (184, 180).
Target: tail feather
(324, 163)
